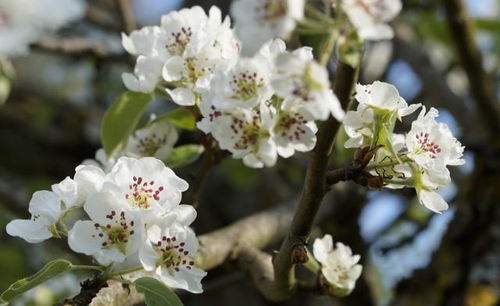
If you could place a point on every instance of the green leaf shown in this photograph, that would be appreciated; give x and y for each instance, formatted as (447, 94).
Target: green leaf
(485, 24)
(121, 119)
(49, 271)
(156, 293)
(184, 155)
(180, 117)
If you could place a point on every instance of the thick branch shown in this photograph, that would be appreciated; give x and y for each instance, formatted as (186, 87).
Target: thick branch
(314, 188)
(482, 86)
(75, 47)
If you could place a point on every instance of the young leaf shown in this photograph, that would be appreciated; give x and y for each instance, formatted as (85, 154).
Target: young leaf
(184, 155)
(156, 293)
(180, 117)
(121, 119)
(49, 271)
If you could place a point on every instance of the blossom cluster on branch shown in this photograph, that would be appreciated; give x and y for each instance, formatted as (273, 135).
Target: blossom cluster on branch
(257, 100)
(128, 219)
(418, 159)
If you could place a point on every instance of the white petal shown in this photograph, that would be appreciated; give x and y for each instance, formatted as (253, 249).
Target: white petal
(67, 190)
(432, 200)
(322, 247)
(33, 231)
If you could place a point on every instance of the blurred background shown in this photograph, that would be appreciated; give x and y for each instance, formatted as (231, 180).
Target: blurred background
(50, 123)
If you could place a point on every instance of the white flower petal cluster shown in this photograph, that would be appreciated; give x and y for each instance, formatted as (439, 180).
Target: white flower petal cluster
(375, 99)
(257, 21)
(432, 148)
(48, 208)
(338, 265)
(23, 22)
(134, 216)
(418, 159)
(180, 55)
(266, 105)
(370, 17)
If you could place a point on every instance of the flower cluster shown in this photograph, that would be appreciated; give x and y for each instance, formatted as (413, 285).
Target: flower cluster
(134, 215)
(180, 56)
(256, 107)
(24, 21)
(418, 159)
(265, 106)
(339, 267)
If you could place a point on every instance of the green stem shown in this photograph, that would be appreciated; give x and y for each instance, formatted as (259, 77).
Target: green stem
(408, 182)
(87, 267)
(328, 48)
(126, 271)
(403, 159)
(312, 264)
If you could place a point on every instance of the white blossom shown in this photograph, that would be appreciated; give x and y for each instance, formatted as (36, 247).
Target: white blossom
(111, 234)
(432, 147)
(23, 22)
(338, 265)
(145, 185)
(304, 85)
(47, 208)
(370, 17)
(243, 132)
(169, 251)
(293, 132)
(375, 100)
(257, 21)
(156, 139)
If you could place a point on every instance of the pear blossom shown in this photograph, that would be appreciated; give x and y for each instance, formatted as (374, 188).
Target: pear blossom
(23, 22)
(257, 21)
(370, 17)
(243, 132)
(431, 144)
(246, 84)
(169, 251)
(292, 132)
(432, 147)
(376, 99)
(111, 234)
(156, 139)
(338, 265)
(304, 85)
(183, 52)
(145, 185)
(385, 96)
(47, 208)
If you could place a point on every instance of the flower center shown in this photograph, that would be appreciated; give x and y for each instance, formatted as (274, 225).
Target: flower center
(141, 192)
(179, 40)
(117, 231)
(289, 126)
(249, 132)
(172, 254)
(214, 113)
(427, 145)
(192, 72)
(270, 10)
(245, 85)
(148, 145)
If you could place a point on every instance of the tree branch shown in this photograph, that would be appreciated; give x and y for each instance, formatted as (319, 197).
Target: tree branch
(76, 47)
(126, 15)
(314, 188)
(482, 86)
